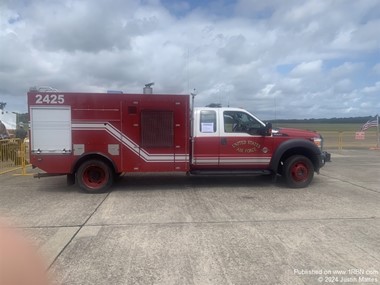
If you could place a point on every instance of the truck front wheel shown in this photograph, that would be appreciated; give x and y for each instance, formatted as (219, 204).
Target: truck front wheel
(94, 176)
(299, 171)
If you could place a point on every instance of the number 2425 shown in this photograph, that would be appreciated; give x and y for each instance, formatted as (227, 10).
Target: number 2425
(50, 99)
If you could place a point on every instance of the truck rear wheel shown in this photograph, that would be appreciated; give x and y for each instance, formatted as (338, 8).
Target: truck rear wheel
(299, 171)
(94, 176)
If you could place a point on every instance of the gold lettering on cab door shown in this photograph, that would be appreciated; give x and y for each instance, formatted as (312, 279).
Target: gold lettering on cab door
(246, 146)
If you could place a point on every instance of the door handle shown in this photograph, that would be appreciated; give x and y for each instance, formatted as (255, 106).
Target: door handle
(223, 141)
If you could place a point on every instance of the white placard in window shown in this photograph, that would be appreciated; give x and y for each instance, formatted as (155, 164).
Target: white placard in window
(207, 127)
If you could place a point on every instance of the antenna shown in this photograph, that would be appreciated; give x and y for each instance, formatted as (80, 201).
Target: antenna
(275, 109)
(187, 68)
(193, 94)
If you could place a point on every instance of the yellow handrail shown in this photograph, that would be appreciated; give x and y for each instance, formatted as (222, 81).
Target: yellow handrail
(13, 155)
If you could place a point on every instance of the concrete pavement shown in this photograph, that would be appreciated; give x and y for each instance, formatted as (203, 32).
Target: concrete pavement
(173, 229)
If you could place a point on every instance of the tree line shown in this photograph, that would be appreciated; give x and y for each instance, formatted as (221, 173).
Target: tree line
(349, 120)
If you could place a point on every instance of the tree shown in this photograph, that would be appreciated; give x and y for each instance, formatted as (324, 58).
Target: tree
(2, 105)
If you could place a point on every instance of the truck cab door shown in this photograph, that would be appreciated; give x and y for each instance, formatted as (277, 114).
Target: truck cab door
(243, 141)
(206, 139)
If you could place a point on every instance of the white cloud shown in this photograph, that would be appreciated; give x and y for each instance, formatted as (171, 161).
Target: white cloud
(345, 69)
(228, 52)
(306, 10)
(376, 68)
(306, 68)
(372, 89)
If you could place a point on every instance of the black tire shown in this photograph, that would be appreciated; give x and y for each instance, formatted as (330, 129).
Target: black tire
(94, 176)
(298, 171)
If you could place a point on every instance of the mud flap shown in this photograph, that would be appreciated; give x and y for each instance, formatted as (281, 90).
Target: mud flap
(70, 179)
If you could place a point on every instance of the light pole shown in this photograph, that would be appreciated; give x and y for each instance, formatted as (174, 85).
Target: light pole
(17, 118)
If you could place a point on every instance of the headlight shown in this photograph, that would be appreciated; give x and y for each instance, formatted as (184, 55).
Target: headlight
(318, 141)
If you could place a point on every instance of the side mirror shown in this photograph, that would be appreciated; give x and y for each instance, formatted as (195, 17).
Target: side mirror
(268, 128)
(266, 131)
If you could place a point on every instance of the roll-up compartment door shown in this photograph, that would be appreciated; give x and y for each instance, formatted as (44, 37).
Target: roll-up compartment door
(50, 129)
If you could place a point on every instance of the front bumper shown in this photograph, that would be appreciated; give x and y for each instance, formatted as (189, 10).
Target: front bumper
(325, 157)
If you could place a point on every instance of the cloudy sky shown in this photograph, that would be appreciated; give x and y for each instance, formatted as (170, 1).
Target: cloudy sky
(278, 59)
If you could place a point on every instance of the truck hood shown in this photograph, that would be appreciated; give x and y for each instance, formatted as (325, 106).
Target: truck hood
(296, 133)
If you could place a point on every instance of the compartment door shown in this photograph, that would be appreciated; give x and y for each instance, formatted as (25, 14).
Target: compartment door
(51, 129)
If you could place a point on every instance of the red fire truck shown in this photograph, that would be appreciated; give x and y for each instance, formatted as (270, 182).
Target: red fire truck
(93, 137)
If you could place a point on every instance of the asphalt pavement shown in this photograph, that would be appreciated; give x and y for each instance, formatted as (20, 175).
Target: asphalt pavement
(174, 229)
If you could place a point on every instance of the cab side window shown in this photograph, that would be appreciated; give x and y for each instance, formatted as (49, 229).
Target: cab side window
(239, 122)
(207, 121)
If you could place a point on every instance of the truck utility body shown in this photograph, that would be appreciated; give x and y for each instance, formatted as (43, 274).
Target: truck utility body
(93, 137)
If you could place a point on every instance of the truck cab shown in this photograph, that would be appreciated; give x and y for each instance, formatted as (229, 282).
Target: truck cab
(230, 138)
(233, 141)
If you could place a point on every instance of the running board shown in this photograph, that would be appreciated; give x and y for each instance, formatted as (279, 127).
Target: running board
(231, 172)
(39, 175)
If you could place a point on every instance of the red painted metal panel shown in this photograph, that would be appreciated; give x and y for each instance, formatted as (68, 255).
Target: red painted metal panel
(56, 164)
(102, 119)
(206, 152)
(246, 152)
